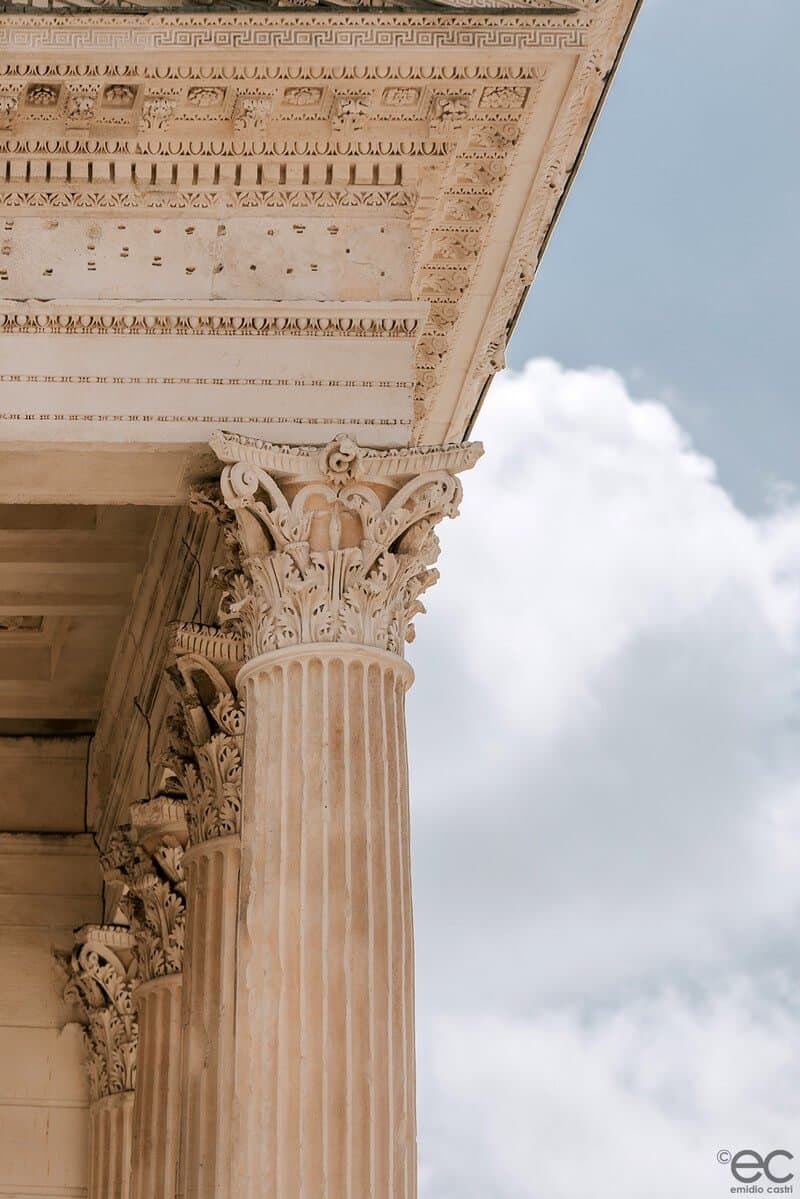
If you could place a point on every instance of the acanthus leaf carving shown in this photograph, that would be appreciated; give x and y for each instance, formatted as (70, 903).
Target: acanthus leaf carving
(146, 858)
(335, 545)
(102, 973)
(206, 735)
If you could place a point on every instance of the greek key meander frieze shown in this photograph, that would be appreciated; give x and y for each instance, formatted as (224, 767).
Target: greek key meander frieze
(286, 33)
(334, 545)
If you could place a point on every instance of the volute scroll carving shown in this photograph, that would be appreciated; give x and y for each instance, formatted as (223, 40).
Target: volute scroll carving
(334, 544)
(147, 858)
(101, 972)
(206, 735)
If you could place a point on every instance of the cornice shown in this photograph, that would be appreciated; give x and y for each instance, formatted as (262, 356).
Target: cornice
(565, 144)
(427, 119)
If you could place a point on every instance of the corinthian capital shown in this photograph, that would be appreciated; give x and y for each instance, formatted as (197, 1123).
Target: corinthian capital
(206, 733)
(335, 544)
(147, 858)
(101, 974)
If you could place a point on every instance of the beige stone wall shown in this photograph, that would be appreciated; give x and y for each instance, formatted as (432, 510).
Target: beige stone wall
(43, 784)
(48, 885)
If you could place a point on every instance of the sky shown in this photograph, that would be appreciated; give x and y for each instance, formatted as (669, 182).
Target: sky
(605, 727)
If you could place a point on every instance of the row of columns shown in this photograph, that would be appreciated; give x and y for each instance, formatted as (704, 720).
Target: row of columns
(261, 992)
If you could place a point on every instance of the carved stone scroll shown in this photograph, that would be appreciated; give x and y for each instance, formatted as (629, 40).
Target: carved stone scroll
(335, 545)
(101, 976)
(204, 762)
(205, 756)
(102, 972)
(147, 859)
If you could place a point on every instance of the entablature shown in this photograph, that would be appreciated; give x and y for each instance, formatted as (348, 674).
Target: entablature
(178, 163)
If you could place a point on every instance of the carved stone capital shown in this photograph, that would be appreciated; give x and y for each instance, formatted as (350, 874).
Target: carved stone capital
(334, 544)
(147, 858)
(101, 973)
(206, 734)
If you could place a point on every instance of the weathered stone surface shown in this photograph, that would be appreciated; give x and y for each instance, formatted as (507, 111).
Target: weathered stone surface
(48, 885)
(305, 229)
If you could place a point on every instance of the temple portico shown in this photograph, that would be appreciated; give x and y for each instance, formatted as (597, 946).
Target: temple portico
(258, 266)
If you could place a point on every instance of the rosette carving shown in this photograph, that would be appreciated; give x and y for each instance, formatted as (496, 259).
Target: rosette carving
(206, 732)
(102, 973)
(334, 545)
(147, 859)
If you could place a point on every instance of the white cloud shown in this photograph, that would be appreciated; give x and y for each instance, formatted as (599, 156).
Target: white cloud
(589, 522)
(605, 773)
(630, 1103)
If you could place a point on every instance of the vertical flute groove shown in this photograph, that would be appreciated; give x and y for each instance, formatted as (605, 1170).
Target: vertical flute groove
(157, 1098)
(206, 1059)
(326, 832)
(322, 1052)
(110, 1147)
(370, 925)
(348, 934)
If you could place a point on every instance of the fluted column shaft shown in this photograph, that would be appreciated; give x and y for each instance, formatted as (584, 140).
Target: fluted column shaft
(110, 1139)
(156, 1105)
(325, 1010)
(207, 1064)
(145, 858)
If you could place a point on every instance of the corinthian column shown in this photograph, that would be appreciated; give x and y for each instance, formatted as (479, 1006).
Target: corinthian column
(335, 548)
(101, 973)
(206, 736)
(147, 859)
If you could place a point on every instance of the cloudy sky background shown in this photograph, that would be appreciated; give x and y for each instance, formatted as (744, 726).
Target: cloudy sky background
(605, 728)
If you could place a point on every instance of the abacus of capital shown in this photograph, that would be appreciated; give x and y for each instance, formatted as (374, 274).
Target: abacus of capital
(258, 264)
